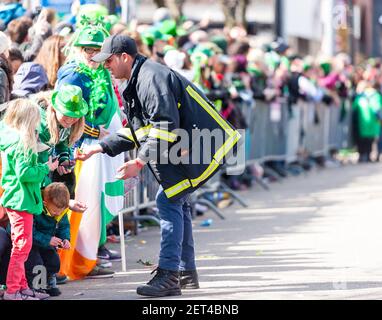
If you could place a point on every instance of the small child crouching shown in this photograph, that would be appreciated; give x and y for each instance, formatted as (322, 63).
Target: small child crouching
(51, 230)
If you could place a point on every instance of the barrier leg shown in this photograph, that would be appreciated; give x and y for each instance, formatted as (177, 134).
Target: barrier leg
(234, 195)
(214, 208)
(262, 183)
(122, 240)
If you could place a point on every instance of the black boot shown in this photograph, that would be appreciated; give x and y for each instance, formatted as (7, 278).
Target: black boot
(189, 280)
(165, 283)
(52, 289)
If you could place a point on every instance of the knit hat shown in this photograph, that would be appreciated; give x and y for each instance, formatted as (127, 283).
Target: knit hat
(174, 59)
(220, 41)
(5, 42)
(68, 101)
(29, 79)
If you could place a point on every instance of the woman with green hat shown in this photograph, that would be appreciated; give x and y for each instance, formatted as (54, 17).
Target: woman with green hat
(102, 193)
(62, 125)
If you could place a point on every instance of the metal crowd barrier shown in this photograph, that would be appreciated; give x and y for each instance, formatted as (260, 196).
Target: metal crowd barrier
(282, 132)
(340, 126)
(315, 128)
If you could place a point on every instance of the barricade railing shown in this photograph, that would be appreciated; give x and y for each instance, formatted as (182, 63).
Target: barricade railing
(340, 136)
(276, 131)
(282, 132)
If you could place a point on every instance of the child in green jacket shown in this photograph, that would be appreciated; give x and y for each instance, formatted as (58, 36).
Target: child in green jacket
(22, 175)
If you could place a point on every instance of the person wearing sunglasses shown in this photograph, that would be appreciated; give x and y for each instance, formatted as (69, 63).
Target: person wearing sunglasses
(102, 118)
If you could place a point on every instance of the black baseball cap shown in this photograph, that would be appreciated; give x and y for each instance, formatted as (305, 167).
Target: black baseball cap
(116, 44)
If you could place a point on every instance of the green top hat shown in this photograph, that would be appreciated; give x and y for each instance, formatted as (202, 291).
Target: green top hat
(90, 36)
(68, 101)
(92, 10)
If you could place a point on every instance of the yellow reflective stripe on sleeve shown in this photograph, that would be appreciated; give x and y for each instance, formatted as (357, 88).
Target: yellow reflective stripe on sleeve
(162, 134)
(140, 133)
(143, 132)
(185, 184)
(234, 137)
(210, 170)
(227, 146)
(126, 132)
(210, 110)
(178, 188)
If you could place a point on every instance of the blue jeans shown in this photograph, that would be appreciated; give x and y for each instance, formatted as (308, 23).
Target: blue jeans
(177, 243)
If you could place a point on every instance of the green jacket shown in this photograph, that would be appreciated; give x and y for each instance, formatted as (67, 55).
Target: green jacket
(62, 149)
(22, 177)
(45, 227)
(368, 106)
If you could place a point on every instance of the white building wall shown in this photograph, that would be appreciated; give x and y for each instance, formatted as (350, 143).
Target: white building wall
(311, 20)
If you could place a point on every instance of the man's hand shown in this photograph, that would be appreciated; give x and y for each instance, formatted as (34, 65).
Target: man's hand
(66, 244)
(86, 153)
(55, 242)
(77, 206)
(130, 169)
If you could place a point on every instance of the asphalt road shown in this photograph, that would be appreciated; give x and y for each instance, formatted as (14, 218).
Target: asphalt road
(315, 236)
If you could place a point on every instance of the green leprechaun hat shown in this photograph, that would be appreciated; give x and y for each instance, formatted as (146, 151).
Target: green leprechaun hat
(90, 36)
(68, 101)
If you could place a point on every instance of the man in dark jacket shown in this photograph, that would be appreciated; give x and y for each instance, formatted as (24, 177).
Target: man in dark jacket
(168, 117)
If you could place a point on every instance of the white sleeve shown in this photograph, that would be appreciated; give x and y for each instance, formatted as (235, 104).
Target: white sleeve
(306, 87)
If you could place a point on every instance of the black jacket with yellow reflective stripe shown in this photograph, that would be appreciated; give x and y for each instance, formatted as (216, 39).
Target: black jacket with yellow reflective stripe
(168, 115)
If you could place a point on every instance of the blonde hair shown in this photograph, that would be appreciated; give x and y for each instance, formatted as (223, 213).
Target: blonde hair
(24, 116)
(77, 130)
(50, 57)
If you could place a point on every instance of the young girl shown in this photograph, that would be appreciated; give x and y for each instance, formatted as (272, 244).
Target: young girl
(22, 175)
(59, 131)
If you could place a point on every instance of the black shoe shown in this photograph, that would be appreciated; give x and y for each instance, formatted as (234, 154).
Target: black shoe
(53, 292)
(106, 254)
(165, 283)
(189, 280)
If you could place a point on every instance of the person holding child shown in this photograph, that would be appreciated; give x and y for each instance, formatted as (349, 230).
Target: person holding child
(22, 175)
